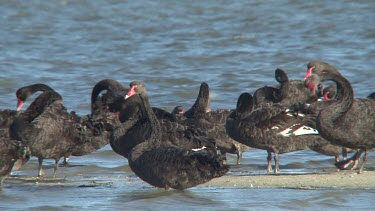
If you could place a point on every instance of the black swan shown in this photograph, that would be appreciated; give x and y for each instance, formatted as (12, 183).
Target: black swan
(11, 151)
(173, 132)
(347, 121)
(270, 127)
(314, 69)
(294, 94)
(7, 116)
(213, 122)
(47, 129)
(97, 126)
(163, 165)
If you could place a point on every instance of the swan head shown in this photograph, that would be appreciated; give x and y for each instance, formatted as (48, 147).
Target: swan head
(319, 67)
(136, 87)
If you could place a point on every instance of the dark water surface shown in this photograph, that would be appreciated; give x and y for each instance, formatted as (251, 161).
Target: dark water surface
(173, 46)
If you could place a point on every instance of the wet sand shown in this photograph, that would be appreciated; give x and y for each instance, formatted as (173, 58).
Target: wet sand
(333, 180)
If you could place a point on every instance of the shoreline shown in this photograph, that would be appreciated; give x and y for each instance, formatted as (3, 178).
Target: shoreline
(333, 180)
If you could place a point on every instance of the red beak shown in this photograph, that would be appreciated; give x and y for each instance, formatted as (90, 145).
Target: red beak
(309, 72)
(131, 92)
(19, 104)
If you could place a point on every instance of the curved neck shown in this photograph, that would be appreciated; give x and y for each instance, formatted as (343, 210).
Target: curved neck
(40, 87)
(27, 91)
(98, 88)
(106, 84)
(344, 97)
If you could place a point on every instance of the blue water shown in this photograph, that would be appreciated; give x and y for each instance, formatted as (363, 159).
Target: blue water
(173, 46)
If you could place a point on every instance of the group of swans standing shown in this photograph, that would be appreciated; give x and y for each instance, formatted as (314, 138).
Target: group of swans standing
(288, 118)
(182, 149)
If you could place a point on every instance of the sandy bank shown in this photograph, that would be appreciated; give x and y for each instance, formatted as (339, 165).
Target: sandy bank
(339, 180)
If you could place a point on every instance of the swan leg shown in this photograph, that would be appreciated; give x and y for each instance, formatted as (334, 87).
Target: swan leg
(41, 171)
(337, 159)
(55, 168)
(276, 158)
(269, 160)
(357, 157)
(6, 171)
(364, 161)
(355, 164)
(239, 156)
(65, 161)
(225, 155)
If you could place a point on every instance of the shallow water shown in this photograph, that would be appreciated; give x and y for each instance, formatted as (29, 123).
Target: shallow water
(172, 46)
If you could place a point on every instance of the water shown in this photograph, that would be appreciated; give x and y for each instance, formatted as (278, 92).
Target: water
(172, 46)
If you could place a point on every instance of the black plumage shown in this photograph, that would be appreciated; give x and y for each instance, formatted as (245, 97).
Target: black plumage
(329, 92)
(270, 127)
(7, 116)
(347, 122)
(168, 166)
(125, 137)
(11, 151)
(49, 130)
(201, 116)
(95, 128)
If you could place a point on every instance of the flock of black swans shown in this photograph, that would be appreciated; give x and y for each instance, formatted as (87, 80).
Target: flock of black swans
(185, 148)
